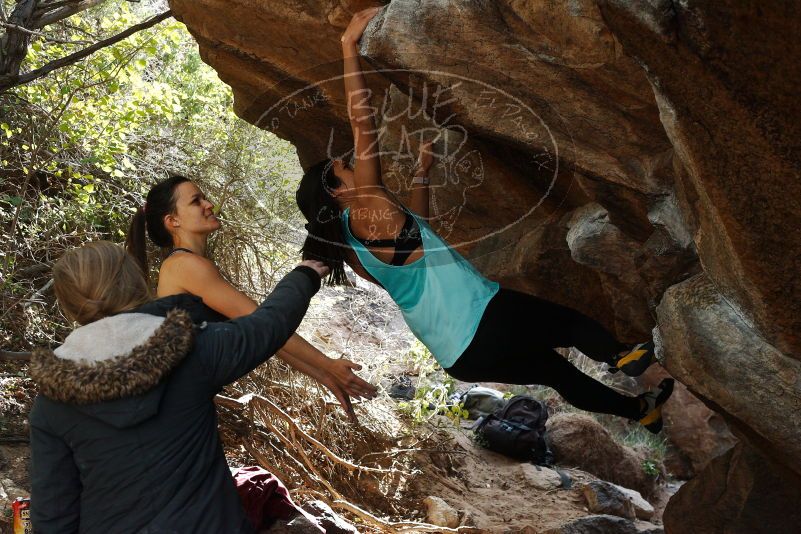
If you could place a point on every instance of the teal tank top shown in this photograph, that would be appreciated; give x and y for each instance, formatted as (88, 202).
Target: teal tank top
(441, 295)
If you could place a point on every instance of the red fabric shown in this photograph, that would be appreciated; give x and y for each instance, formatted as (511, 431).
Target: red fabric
(264, 497)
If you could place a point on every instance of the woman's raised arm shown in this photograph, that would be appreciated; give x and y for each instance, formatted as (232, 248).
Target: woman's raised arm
(367, 169)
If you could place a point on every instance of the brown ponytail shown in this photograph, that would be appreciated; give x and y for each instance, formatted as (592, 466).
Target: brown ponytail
(136, 242)
(148, 221)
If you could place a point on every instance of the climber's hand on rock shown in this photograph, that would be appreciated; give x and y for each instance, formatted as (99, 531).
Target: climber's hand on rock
(426, 157)
(357, 25)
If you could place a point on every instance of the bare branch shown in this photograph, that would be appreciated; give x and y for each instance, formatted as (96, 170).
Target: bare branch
(39, 34)
(8, 81)
(61, 11)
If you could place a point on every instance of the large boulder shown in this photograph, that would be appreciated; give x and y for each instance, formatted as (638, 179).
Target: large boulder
(542, 117)
(712, 349)
(664, 133)
(740, 492)
(735, 135)
(578, 440)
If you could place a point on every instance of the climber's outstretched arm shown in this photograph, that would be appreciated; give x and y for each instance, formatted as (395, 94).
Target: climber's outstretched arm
(367, 167)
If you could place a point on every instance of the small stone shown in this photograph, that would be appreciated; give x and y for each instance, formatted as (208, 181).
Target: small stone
(642, 508)
(540, 477)
(605, 498)
(440, 513)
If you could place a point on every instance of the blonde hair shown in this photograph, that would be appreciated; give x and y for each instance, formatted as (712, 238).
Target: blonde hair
(97, 280)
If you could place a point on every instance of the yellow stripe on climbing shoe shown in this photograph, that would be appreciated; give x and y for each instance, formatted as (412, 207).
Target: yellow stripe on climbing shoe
(652, 417)
(636, 355)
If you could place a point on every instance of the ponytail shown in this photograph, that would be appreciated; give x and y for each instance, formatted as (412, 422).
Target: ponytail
(136, 242)
(149, 222)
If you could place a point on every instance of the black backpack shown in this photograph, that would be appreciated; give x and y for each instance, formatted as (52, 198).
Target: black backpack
(517, 430)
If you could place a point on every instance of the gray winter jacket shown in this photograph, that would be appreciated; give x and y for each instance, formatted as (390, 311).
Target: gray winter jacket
(124, 431)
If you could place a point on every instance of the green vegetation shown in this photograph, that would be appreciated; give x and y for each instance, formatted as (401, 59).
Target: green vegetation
(80, 146)
(433, 390)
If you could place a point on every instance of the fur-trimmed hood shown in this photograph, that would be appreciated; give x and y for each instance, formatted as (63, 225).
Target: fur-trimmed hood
(120, 360)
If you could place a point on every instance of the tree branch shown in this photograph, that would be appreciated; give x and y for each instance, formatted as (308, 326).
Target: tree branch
(14, 44)
(39, 34)
(13, 80)
(60, 12)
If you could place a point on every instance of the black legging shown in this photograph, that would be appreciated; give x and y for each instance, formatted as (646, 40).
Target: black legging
(514, 345)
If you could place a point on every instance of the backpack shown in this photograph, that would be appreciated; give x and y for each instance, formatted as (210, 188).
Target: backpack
(517, 430)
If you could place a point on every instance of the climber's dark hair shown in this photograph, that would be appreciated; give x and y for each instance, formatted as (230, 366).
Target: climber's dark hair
(325, 241)
(160, 201)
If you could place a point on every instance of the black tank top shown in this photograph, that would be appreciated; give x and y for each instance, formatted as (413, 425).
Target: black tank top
(407, 241)
(177, 249)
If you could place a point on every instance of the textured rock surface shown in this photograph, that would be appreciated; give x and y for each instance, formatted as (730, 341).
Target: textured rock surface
(735, 135)
(607, 498)
(740, 492)
(579, 440)
(606, 524)
(756, 386)
(597, 153)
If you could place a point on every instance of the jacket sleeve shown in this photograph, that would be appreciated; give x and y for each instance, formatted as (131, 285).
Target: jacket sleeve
(230, 350)
(55, 481)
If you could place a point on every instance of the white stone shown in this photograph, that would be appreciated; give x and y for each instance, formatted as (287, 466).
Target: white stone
(542, 478)
(440, 513)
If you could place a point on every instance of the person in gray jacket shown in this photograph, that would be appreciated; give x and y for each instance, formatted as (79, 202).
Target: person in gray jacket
(124, 429)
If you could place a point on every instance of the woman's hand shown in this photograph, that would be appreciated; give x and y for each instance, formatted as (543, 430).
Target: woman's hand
(425, 159)
(342, 371)
(357, 25)
(340, 379)
(320, 267)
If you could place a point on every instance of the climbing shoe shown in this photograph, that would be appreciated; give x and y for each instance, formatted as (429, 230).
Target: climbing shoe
(636, 361)
(651, 415)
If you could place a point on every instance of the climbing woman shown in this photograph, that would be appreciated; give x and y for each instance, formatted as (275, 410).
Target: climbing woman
(178, 217)
(475, 329)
